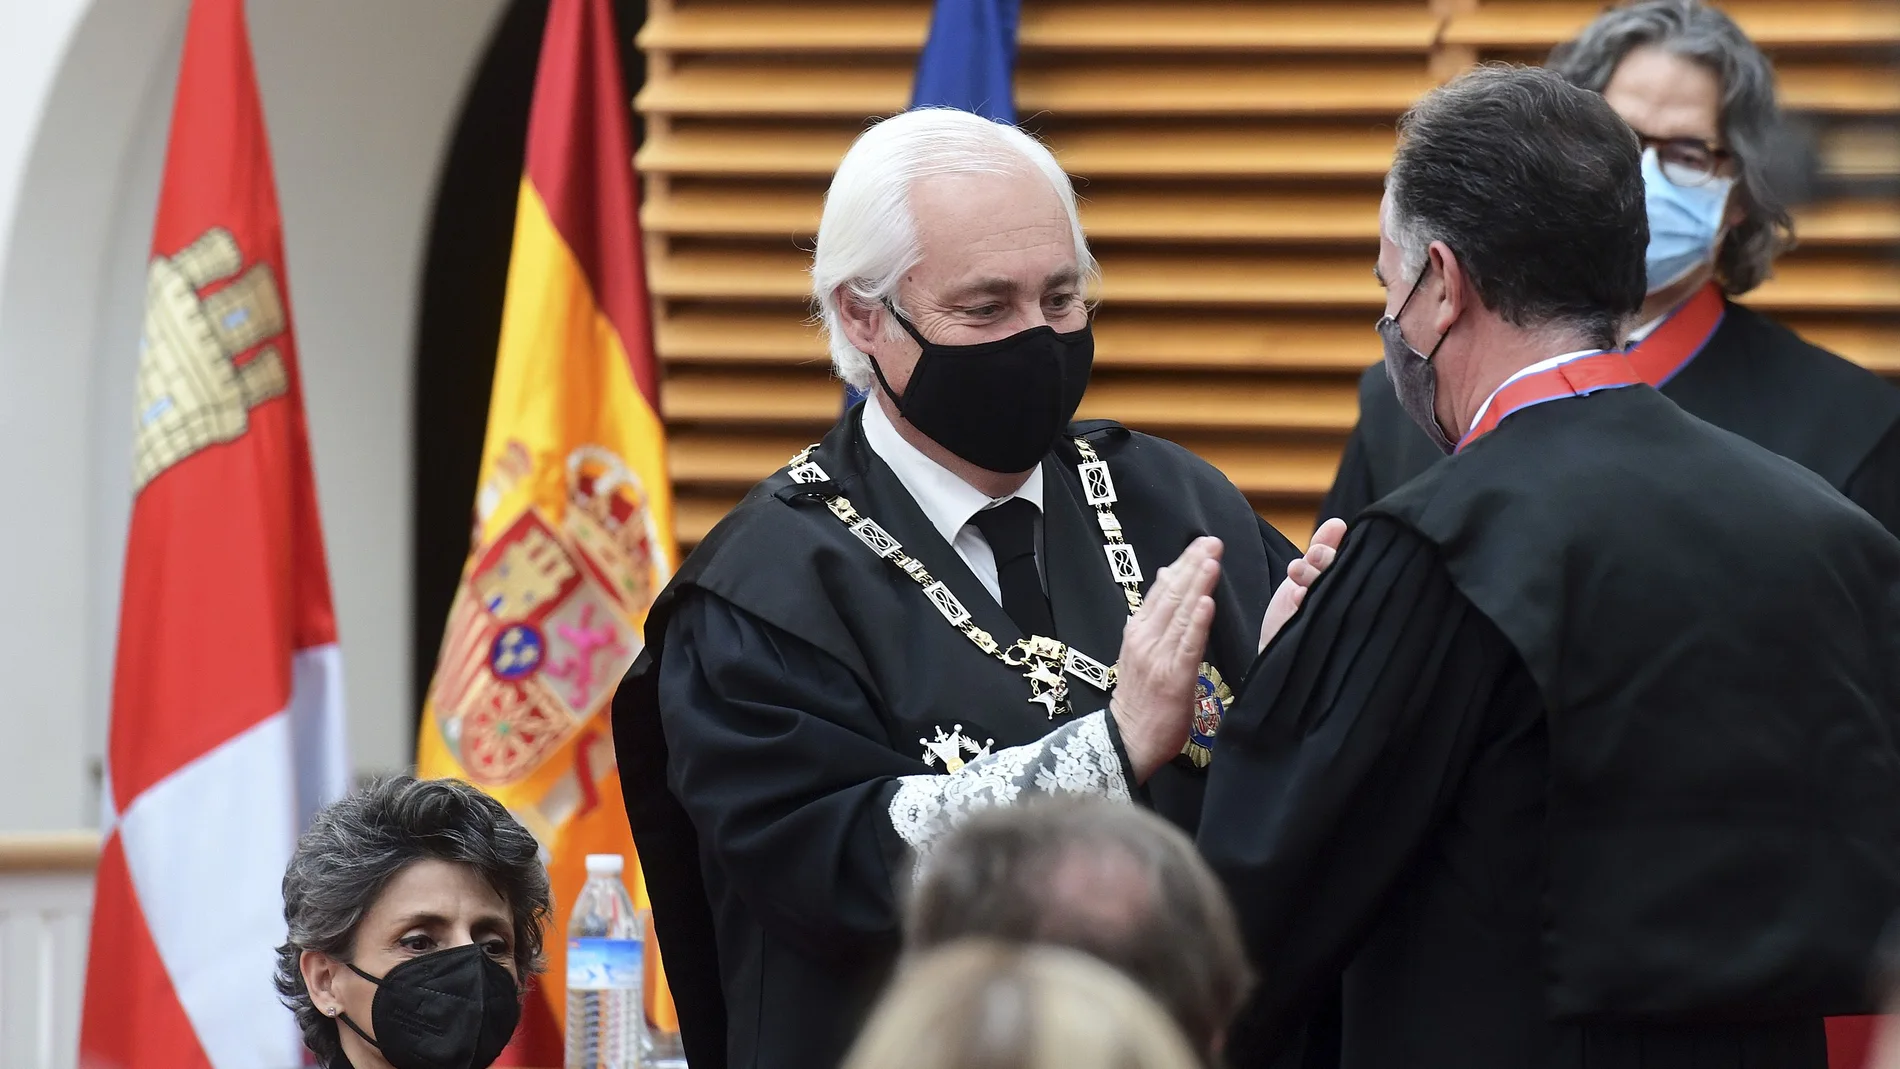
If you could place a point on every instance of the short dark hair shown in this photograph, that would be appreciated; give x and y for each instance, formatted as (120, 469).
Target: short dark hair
(1537, 186)
(1749, 117)
(1008, 874)
(357, 845)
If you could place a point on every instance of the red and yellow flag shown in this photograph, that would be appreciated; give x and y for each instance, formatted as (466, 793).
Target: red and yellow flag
(573, 517)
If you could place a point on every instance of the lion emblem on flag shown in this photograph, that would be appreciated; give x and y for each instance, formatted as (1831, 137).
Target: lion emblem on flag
(544, 623)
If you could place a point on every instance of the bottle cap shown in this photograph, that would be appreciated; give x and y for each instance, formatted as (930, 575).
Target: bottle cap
(605, 864)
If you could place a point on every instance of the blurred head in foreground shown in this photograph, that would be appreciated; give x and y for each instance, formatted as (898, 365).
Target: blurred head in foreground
(1116, 882)
(415, 911)
(984, 1005)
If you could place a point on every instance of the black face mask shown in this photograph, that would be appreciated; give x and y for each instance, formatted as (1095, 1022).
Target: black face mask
(1413, 376)
(998, 404)
(453, 1009)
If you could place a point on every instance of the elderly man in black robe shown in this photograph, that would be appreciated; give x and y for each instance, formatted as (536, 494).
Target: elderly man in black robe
(1584, 751)
(922, 615)
(1701, 97)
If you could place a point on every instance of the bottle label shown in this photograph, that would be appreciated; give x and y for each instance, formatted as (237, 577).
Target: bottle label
(599, 964)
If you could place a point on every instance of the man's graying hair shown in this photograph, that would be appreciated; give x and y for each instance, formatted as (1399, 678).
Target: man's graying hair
(1537, 187)
(358, 845)
(1113, 881)
(1748, 115)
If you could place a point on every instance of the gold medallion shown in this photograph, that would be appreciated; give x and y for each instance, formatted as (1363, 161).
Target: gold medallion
(1211, 701)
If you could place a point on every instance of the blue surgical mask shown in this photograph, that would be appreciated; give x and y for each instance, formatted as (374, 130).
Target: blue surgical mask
(1684, 222)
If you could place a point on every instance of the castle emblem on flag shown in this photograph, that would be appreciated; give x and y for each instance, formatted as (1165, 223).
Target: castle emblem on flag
(197, 385)
(541, 629)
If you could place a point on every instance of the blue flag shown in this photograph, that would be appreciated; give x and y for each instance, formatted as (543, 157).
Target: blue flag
(968, 62)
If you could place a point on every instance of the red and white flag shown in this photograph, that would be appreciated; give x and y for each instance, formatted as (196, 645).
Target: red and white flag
(227, 725)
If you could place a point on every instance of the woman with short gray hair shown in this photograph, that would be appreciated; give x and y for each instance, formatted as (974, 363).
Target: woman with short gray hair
(415, 911)
(1718, 167)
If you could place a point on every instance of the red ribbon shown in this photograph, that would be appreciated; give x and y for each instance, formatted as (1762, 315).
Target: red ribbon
(1572, 378)
(1678, 339)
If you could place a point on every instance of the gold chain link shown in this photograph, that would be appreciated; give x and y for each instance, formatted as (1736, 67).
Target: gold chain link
(1044, 661)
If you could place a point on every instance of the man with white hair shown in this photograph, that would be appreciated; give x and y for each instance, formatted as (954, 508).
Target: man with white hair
(926, 613)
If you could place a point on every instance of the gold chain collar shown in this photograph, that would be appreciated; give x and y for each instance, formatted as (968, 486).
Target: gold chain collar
(1043, 661)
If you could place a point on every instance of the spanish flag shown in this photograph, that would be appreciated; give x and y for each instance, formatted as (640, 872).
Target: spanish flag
(573, 517)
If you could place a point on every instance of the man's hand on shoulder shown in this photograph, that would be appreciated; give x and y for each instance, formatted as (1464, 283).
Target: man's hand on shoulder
(1301, 575)
(1162, 646)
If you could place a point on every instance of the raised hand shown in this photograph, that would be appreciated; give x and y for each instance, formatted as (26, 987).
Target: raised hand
(1300, 575)
(1162, 647)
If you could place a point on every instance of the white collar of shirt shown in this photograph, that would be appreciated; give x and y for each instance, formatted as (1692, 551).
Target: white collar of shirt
(1541, 365)
(946, 500)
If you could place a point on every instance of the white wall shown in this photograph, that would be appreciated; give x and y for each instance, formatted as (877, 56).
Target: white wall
(361, 96)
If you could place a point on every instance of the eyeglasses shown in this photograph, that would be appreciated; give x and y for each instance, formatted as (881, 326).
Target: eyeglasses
(1686, 161)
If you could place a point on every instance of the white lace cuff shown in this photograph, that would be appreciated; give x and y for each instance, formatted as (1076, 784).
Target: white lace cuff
(1077, 758)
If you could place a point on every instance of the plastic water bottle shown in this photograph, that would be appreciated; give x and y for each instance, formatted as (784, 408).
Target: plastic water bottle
(603, 972)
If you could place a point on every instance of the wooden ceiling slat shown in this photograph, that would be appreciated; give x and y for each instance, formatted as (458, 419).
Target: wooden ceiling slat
(1773, 24)
(1185, 214)
(1861, 151)
(1213, 278)
(1233, 402)
(1182, 150)
(1123, 87)
(1861, 221)
(1186, 149)
(1830, 283)
(1129, 277)
(1124, 338)
(756, 398)
(1830, 86)
(753, 150)
(1159, 340)
(1071, 26)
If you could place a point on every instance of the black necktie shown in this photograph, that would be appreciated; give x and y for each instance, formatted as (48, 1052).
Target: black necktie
(1010, 529)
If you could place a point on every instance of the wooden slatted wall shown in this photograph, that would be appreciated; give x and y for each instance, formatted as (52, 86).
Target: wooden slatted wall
(1229, 156)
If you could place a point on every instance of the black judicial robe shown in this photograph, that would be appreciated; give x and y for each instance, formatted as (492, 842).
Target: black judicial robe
(789, 684)
(1575, 759)
(1754, 377)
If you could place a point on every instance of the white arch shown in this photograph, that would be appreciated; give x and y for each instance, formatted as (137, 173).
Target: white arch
(361, 96)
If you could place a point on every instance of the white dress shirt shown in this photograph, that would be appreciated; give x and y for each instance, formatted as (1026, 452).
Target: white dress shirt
(946, 500)
(1541, 365)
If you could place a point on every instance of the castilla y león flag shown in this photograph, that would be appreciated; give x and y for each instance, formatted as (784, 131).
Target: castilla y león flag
(226, 728)
(573, 515)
